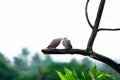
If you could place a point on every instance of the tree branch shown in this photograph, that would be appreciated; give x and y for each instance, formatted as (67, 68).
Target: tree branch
(65, 51)
(86, 14)
(96, 25)
(91, 54)
(106, 60)
(106, 29)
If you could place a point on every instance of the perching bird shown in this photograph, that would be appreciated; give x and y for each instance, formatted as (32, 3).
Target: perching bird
(66, 43)
(54, 43)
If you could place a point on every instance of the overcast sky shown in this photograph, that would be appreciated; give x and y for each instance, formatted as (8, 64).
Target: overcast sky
(34, 23)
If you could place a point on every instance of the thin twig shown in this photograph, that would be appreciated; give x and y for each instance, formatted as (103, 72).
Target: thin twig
(86, 14)
(106, 29)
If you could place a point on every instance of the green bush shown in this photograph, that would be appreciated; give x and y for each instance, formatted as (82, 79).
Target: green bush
(92, 74)
(7, 72)
(69, 75)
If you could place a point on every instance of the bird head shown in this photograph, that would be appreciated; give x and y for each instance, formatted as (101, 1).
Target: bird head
(64, 38)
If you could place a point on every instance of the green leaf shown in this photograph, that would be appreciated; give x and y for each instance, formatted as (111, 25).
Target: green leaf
(94, 71)
(75, 75)
(68, 73)
(62, 77)
(85, 76)
(92, 74)
(98, 74)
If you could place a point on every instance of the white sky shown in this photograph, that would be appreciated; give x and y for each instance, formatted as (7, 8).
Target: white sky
(34, 23)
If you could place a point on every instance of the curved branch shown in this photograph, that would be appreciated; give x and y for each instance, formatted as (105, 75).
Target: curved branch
(106, 29)
(91, 54)
(96, 25)
(86, 14)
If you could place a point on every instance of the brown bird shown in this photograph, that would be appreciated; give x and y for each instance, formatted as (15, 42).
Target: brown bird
(66, 43)
(54, 43)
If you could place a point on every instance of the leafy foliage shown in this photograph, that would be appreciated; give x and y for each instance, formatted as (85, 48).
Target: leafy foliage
(92, 74)
(98, 74)
(21, 62)
(69, 75)
(7, 72)
(45, 69)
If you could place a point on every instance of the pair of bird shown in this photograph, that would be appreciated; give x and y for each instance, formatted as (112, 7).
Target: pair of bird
(54, 43)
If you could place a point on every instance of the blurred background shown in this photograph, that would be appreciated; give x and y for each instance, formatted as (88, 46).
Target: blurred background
(27, 26)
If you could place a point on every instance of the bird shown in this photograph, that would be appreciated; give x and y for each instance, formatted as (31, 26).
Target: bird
(54, 43)
(66, 43)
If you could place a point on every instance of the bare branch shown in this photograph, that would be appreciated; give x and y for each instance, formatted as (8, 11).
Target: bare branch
(96, 25)
(86, 14)
(91, 54)
(65, 51)
(106, 29)
(106, 60)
